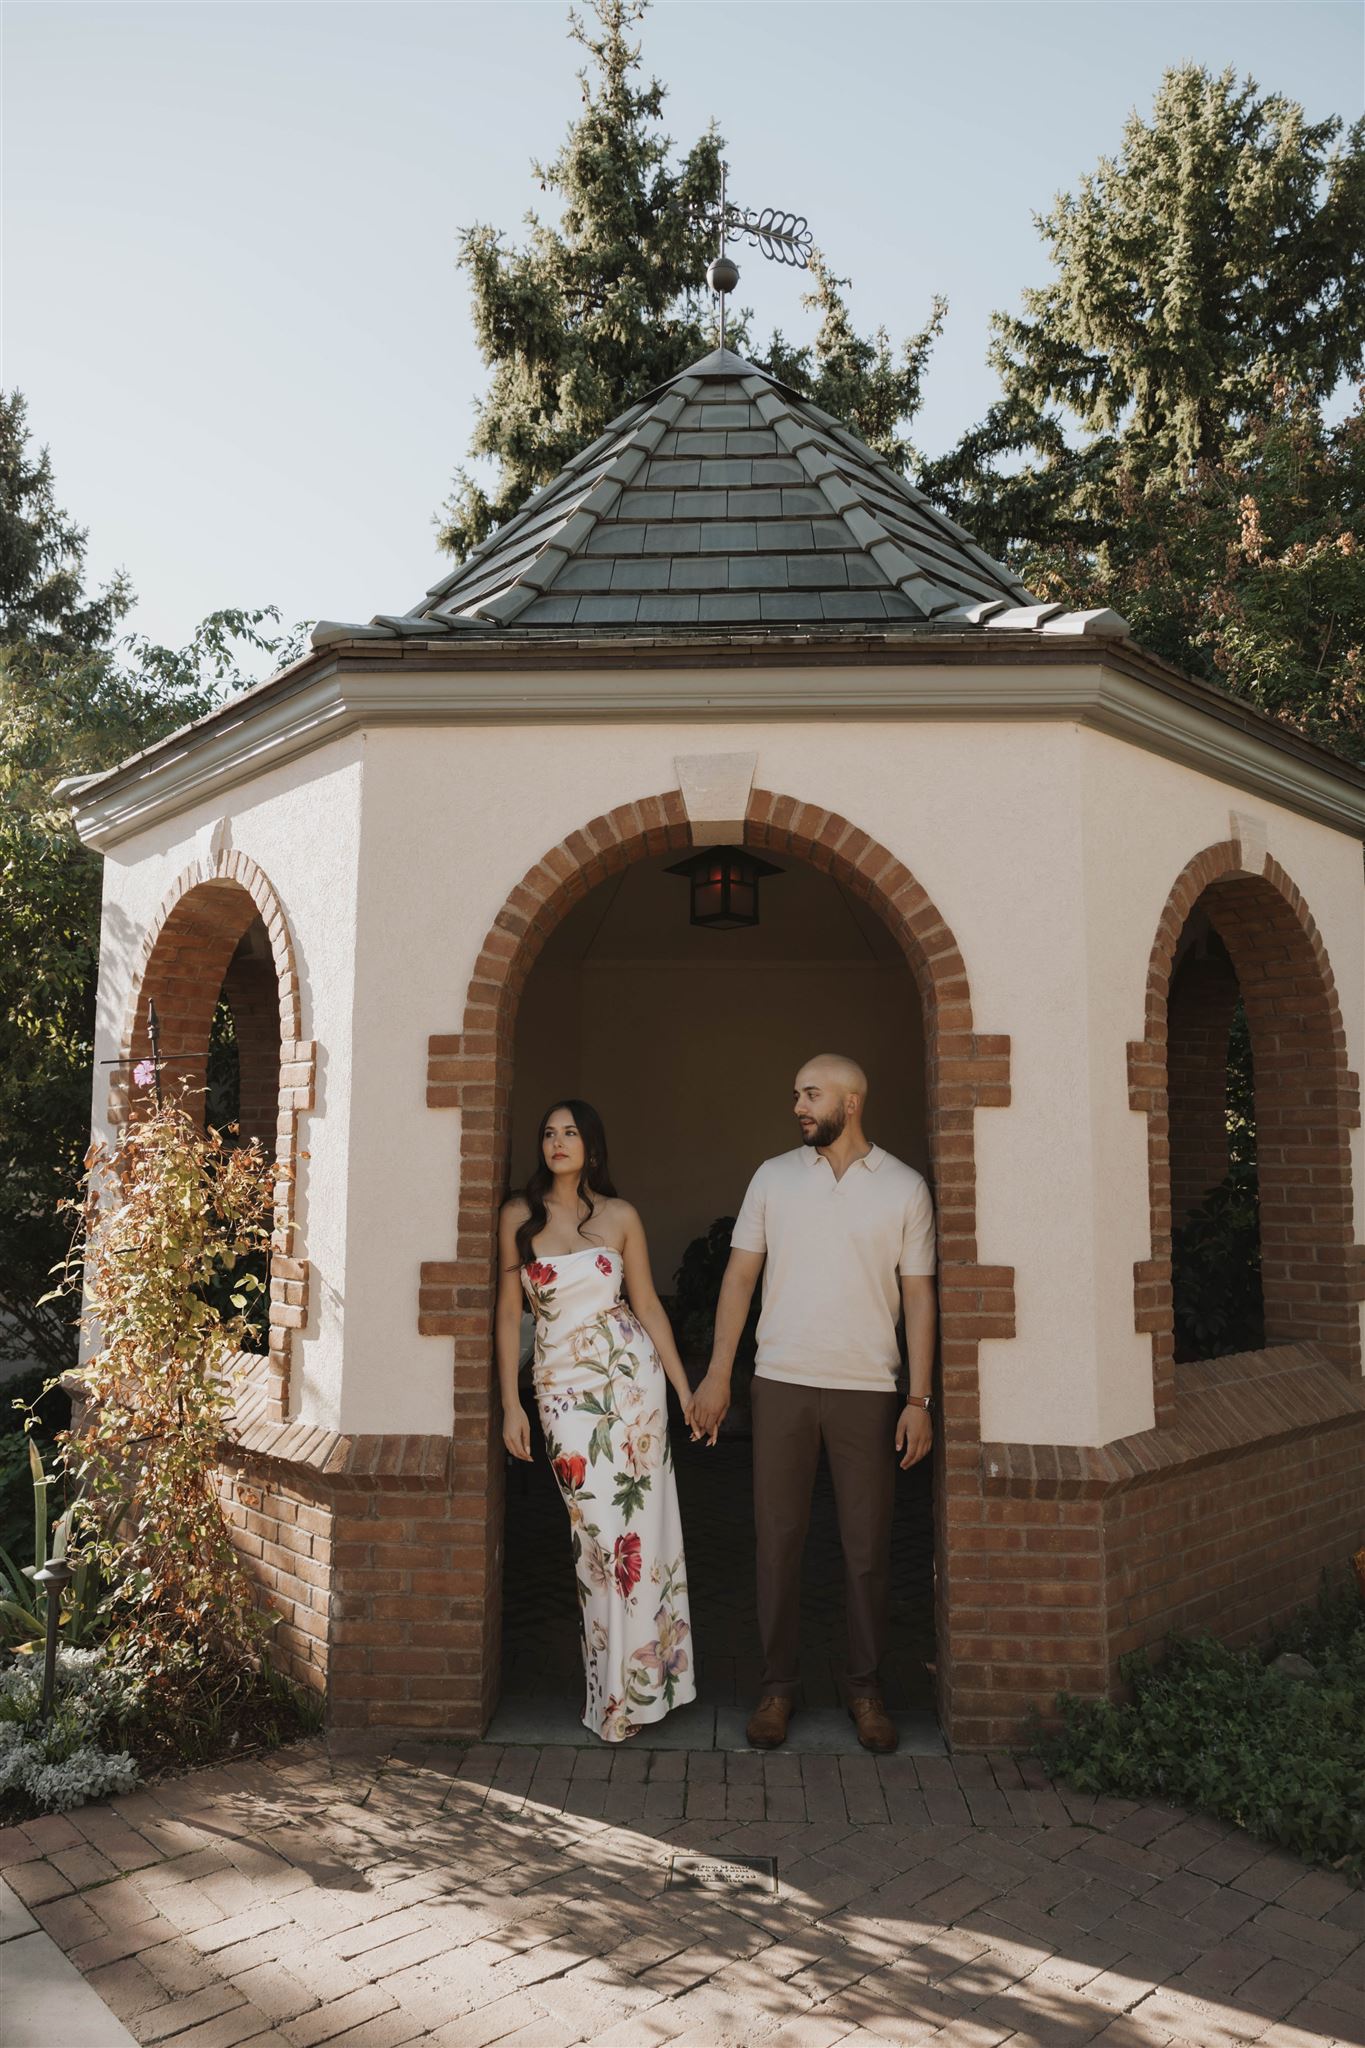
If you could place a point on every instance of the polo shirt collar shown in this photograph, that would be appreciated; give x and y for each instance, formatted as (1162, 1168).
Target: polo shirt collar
(871, 1160)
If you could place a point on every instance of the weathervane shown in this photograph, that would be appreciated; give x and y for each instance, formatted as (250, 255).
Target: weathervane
(783, 237)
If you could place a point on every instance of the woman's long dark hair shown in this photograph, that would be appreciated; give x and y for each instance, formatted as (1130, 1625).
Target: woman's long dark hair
(595, 1178)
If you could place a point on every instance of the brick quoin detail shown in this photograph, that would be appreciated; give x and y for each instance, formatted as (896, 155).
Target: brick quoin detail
(187, 957)
(472, 1071)
(1307, 1104)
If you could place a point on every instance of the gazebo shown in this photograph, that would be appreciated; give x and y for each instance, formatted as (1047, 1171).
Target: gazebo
(1027, 870)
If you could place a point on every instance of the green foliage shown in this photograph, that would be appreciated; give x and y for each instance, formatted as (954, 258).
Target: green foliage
(601, 307)
(49, 1767)
(73, 701)
(1216, 1272)
(1161, 444)
(166, 1217)
(1222, 1731)
(1216, 1249)
(83, 1610)
(34, 1410)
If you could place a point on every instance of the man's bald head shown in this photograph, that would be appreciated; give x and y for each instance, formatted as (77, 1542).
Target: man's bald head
(836, 1071)
(829, 1094)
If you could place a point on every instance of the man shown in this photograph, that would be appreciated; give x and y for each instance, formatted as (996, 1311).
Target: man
(848, 1236)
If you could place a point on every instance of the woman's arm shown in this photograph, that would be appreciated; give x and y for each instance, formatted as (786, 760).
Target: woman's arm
(649, 1310)
(516, 1429)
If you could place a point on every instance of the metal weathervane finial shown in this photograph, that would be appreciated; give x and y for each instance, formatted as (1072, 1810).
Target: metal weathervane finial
(782, 237)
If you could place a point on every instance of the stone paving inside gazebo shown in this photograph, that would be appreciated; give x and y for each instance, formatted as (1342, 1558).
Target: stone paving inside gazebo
(465, 1897)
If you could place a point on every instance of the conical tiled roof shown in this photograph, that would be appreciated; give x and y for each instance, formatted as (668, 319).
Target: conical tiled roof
(724, 499)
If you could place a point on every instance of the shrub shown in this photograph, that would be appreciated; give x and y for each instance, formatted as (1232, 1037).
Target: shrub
(59, 1764)
(168, 1216)
(1281, 1752)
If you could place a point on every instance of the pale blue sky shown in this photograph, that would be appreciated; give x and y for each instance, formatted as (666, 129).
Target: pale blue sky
(229, 283)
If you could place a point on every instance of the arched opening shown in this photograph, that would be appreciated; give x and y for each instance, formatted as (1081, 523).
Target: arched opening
(686, 1040)
(472, 1070)
(1217, 1302)
(219, 967)
(243, 1078)
(1250, 1106)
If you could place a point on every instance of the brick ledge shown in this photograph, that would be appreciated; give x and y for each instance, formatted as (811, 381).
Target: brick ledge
(1223, 1406)
(406, 1461)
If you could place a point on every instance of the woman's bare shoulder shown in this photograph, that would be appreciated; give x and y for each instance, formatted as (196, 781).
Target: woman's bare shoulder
(621, 1212)
(515, 1209)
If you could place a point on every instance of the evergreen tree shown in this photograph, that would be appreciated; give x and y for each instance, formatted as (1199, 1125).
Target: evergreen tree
(1160, 442)
(73, 701)
(591, 314)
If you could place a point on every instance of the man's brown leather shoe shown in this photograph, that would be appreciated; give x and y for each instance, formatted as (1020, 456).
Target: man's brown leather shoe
(767, 1725)
(876, 1729)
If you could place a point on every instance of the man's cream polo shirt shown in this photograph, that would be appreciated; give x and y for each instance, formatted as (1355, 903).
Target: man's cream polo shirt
(834, 1249)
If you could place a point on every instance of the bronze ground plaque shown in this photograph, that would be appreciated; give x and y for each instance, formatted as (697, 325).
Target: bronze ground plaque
(724, 1873)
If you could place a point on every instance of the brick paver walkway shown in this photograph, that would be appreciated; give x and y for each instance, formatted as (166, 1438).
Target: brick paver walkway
(466, 1897)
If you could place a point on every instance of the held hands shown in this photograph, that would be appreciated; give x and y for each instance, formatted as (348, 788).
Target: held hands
(914, 1435)
(516, 1433)
(710, 1405)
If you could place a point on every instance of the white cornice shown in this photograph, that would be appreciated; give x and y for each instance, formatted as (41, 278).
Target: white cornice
(291, 717)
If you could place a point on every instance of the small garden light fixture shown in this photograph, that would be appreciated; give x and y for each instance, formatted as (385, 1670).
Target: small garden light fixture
(724, 886)
(54, 1578)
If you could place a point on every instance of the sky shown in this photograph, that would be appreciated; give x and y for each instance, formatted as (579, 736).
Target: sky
(229, 288)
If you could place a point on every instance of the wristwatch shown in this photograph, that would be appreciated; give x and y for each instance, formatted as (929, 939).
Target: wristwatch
(924, 1401)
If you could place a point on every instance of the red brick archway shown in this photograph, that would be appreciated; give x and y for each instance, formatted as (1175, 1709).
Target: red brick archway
(1307, 1104)
(190, 952)
(472, 1071)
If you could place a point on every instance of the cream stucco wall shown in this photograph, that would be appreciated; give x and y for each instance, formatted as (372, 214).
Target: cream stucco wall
(1048, 849)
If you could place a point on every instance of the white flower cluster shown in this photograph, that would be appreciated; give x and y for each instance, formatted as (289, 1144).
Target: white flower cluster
(58, 1763)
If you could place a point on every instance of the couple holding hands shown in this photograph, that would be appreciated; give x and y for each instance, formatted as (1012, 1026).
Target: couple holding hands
(846, 1234)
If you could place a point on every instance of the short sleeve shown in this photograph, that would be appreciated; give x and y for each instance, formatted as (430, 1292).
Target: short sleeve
(917, 1233)
(750, 1231)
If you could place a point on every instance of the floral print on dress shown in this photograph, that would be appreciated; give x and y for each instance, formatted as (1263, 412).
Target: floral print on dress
(603, 1403)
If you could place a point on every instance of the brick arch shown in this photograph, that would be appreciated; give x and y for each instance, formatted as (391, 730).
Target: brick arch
(472, 1071)
(1307, 1103)
(186, 957)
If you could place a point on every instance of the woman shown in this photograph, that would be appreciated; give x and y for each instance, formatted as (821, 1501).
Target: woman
(599, 1372)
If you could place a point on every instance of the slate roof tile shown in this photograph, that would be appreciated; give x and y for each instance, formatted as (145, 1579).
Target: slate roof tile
(724, 498)
(754, 572)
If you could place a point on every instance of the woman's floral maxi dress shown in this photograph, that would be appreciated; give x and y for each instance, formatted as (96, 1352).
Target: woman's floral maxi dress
(603, 1402)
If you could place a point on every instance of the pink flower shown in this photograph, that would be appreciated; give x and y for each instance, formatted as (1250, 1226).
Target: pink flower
(626, 1563)
(603, 1264)
(144, 1073)
(665, 1657)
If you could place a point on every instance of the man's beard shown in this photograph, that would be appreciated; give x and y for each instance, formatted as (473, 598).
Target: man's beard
(826, 1130)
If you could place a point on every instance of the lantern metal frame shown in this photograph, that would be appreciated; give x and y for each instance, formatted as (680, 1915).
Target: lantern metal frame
(738, 869)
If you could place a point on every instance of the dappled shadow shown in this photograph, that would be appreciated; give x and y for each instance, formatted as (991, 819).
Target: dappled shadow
(524, 1886)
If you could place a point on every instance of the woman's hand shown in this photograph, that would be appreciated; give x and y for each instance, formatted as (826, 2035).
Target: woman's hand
(516, 1433)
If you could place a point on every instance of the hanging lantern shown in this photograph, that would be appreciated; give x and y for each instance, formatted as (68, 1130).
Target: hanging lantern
(724, 884)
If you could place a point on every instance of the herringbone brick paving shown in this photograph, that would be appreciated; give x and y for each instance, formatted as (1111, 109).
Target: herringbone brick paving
(365, 1897)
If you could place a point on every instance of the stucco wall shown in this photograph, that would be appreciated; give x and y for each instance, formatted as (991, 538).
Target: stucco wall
(1049, 851)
